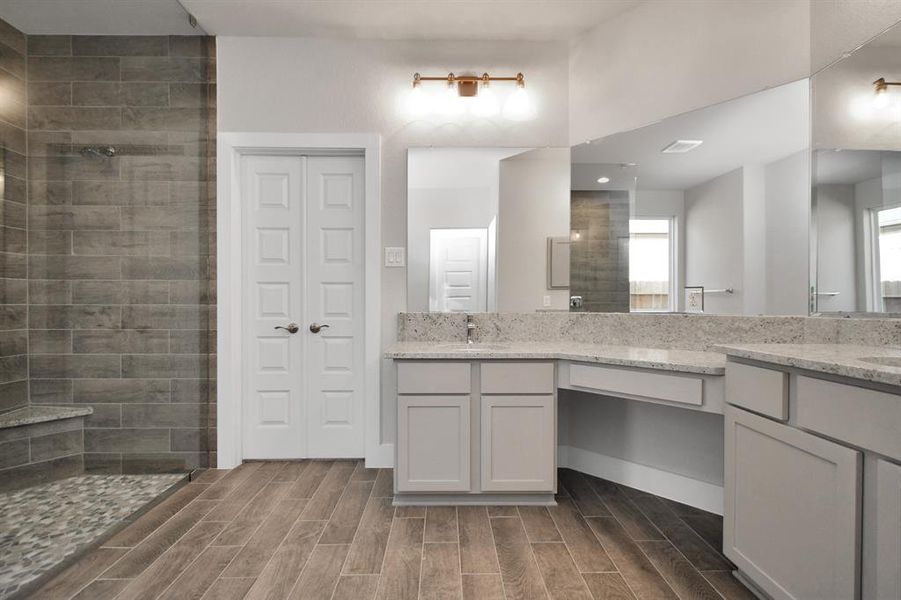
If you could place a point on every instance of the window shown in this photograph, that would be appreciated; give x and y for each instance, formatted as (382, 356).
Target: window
(651, 265)
(889, 223)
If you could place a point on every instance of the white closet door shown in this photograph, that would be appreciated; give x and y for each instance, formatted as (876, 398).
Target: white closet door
(273, 406)
(303, 254)
(335, 298)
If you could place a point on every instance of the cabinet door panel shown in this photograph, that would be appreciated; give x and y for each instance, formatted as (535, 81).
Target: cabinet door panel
(792, 509)
(518, 443)
(433, 443)
(888, 530)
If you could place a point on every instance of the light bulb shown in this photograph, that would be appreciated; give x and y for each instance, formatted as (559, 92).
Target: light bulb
(485, 103)
(603, 180)
(881, 99)
(417, 103)
(449, 102)
(519, 105)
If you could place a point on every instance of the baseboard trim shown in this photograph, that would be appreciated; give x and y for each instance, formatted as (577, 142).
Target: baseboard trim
(381, 458)
(693, 492)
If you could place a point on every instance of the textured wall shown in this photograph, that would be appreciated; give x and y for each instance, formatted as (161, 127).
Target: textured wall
(121, 248)
(13, 269)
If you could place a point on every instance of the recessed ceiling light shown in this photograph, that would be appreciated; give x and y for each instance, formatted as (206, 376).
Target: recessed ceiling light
(682, 146)
(603, 180)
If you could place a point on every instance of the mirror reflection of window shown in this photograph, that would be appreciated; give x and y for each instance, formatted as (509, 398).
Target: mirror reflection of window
(889, 248)
(650, 265)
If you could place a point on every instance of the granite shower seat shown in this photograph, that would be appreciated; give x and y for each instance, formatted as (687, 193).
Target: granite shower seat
(40, 444)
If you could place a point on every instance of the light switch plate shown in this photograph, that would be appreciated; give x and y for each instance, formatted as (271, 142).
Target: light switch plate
(395, 257)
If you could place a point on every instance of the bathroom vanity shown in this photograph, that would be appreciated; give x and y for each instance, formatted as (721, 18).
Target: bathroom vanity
(477, 424)
(812, 474)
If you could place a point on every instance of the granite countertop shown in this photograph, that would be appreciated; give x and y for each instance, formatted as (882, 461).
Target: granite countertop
(41, 414)
(883, 364)
(686, 361)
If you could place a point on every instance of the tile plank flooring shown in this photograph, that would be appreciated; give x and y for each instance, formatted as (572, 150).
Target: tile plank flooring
(327, 530)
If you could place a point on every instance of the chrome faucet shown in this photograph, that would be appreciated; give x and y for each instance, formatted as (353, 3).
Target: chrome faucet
(470, 327)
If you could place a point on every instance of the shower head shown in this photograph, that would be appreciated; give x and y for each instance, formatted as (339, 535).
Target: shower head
(107, 151)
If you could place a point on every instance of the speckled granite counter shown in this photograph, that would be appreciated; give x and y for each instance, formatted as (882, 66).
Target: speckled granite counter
(686, 361)
(878, 364)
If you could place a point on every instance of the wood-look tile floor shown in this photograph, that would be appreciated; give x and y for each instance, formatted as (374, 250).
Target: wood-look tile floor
(328, 530)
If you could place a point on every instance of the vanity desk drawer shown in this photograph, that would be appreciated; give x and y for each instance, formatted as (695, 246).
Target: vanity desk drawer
(425, 377)
(641, 384)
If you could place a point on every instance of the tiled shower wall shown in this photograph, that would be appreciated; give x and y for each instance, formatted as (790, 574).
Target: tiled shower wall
(13, 262)
(121, 248)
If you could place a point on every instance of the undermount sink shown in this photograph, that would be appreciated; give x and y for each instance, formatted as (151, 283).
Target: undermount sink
(476, 347)
(885, 361)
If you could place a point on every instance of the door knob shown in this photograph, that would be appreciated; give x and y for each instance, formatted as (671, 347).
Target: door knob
(291, 328)
(316, 327)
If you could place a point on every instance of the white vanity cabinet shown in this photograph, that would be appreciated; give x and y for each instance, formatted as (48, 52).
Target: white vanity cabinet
(482, 427)
(799, 521)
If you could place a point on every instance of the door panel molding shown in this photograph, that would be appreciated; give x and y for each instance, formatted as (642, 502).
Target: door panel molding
(232, 146)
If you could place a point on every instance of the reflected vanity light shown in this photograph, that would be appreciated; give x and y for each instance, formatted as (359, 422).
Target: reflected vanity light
(603, 180)
(881, 97)
(469, 93)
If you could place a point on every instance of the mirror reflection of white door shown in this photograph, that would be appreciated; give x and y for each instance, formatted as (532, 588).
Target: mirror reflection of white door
(458, 270)
(303, 264)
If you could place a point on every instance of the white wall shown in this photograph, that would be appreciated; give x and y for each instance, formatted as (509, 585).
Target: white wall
(714, 251)
(788, 233)
(754, 234)
(684, 442)
(836, 249)
(331, 85)
(534, 205)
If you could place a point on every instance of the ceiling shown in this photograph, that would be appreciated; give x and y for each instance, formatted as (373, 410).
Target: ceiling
(531, 20)
(755, 129)
(97, 17)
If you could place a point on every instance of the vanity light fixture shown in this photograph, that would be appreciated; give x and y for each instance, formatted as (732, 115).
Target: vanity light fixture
(881, 97)
(474, 91)
(682, 146)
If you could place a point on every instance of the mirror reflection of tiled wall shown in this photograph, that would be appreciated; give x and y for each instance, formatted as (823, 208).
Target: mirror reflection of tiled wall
(599, 256)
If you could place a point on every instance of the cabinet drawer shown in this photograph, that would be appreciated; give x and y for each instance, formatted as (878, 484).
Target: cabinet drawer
(865, 418)
(517, 378)
(423, 377)
(764, 391)
(674, 388)
(433, 443)
(519, 445)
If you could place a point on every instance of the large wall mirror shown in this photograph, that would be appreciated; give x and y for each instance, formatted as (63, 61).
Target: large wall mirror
(702, 212)
(856, 201)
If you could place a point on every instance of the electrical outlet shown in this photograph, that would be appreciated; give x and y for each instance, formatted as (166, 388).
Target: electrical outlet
(395, 257)
(546, 302)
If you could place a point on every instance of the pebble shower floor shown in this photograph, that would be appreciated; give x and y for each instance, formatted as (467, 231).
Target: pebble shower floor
(41, 526)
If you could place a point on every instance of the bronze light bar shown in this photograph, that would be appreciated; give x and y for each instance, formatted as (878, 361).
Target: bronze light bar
(468, 85)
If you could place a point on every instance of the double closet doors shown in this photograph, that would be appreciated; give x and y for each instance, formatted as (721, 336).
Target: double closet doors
(302, 306)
